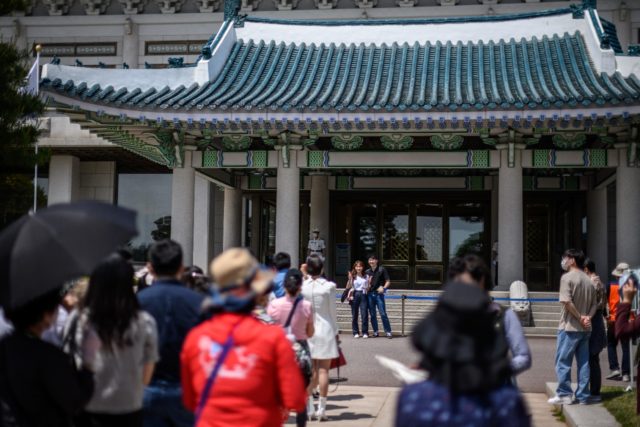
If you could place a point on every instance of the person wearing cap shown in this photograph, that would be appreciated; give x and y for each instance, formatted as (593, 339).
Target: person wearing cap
(176, 309)
(624, 327)
(613, 298)
(316, 244)
(467, 358)
(237, 370)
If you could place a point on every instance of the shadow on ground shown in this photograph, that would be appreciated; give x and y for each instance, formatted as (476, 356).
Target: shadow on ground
(350, 416)
(345, 397)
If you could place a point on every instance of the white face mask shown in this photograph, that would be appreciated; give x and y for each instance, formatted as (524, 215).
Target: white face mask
(564, 264)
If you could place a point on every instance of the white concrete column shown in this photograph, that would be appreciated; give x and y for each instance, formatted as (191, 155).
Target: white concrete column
(64, 179)
(510, 219)
(597, 229)
(203, 222)
(232, 222)
(98, 181)
(319, 214)
(130, 42)
(627, 211)
(182, 197)
(288, 207)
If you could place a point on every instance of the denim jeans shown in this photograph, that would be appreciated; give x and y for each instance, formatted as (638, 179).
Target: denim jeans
(359, 305)
(162, 406)
(572, 344)
(376, 300)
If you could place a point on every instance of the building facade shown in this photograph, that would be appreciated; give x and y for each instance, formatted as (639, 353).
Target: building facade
(414, 130)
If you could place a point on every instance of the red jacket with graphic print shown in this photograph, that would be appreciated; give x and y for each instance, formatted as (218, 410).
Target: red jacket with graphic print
(258, 379)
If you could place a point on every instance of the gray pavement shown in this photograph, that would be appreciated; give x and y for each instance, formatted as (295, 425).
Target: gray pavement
(366, 393)
(360, 406)
(363, 370)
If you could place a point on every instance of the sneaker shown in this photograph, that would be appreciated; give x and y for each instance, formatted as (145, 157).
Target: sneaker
(356, 336)
(365, 336)
(595, 398)
(389, 335)
(625, 378)
(560, 400)
(375, 335)
(613, 374)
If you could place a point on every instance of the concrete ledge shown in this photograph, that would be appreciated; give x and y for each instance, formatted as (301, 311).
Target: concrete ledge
(594, 415)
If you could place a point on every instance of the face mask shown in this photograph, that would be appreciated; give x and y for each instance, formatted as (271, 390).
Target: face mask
(564, 264)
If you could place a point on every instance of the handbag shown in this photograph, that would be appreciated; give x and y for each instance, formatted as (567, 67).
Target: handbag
(338, 361)
(303, 357)
(345, 294)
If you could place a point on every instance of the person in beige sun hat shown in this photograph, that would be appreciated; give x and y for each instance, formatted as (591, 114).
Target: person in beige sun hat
(236, 267)
(620, 269)
(616, 371)
(234, 367)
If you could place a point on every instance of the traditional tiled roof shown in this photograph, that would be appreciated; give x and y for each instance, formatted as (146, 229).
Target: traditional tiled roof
(281, 72)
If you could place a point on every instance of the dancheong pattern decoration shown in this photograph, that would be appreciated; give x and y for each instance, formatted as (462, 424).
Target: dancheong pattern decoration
(396, 142)
(346, 142)
(569, 141)
(236, 142)
(447, 141)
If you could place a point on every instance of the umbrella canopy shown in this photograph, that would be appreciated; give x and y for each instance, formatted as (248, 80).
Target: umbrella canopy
(41, 251)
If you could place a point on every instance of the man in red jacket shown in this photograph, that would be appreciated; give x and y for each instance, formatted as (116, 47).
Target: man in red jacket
(259, 381)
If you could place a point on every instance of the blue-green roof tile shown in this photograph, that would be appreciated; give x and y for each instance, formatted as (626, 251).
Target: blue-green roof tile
(537, 73)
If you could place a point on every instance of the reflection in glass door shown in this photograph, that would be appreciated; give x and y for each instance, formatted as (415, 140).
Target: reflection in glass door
(415, 241)
(429, 244)
(395, 241)
(466, 230)
(268, 227)
(366, 227)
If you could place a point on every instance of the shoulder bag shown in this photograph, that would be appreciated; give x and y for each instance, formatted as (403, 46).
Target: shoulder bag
(303, 357)
(224, 352)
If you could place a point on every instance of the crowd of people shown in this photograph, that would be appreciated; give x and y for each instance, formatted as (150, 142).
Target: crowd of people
(244, 348)
(244, 344)
(593, 316)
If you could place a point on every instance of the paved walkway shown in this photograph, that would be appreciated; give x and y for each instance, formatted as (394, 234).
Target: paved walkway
(359, 406)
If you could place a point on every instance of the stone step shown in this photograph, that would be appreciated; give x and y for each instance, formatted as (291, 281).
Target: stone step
(495, 294)
(546, 316)
(540, 331)
(545, 323)
(553, 310)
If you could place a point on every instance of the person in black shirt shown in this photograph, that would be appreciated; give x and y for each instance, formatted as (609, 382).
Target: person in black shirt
(38, 382)
(379, 282)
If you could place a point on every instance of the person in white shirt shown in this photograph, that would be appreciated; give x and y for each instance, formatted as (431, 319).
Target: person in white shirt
(358, 284)
(316, 245)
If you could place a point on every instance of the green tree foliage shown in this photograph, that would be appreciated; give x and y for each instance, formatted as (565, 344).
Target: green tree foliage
(19, 112)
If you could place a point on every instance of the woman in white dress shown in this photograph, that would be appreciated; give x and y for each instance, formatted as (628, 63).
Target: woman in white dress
(323, 345)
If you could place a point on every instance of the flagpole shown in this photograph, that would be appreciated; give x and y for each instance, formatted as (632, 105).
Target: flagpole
(35, 172)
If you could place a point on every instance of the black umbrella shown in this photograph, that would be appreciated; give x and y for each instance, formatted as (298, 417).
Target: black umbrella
(41, 251)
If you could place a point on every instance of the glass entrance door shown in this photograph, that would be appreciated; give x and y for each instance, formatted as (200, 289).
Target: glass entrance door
(413, 240)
